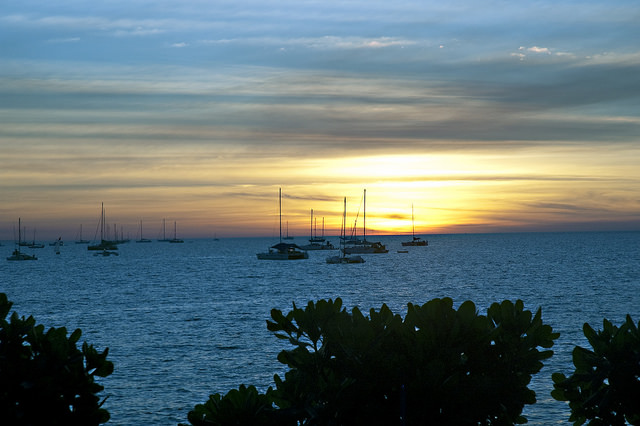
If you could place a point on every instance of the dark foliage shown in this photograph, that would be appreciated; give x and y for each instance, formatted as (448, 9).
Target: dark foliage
(604, 389)
(44, 378)
(438, 366)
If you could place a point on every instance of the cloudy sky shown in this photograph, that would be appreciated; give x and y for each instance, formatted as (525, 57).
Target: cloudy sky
(487, 116)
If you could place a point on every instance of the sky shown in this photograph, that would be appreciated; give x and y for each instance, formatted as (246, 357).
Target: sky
(492, 116)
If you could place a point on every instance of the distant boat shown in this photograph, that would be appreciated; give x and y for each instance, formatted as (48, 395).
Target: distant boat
(142, 240)
(80, 240)
(56, 245)
(363, 246)
(416, 241)
(103, 244)
(287, 237)
(316, 243)
(33, 242)
(175, 239)
(17, 254)
(164, 238)
(283, 251)
(342, 257)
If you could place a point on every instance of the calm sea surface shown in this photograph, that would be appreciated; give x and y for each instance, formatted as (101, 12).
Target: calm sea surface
(183, 321)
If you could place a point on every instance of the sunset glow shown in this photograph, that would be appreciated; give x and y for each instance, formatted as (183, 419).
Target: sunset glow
(484, 118)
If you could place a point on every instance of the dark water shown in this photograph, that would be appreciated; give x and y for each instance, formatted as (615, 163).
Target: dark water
(182, 321)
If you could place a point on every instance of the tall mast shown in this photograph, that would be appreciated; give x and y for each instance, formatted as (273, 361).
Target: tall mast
(311, 226)
(413, 226)
(102, 223)
(343, 231)
(344, 220)
(364, 222)
(280, 210)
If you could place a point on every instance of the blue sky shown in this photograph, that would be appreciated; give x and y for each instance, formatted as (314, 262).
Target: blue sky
(485, 115)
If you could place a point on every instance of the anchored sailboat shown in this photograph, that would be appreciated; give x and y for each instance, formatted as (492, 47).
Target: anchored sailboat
(175, 239)
(342, 256)
(415, 241)
(283, 251)
(316, 243)
(142, 240)
(17, 254)
(103, 245)
(363, 246)
(80, 240)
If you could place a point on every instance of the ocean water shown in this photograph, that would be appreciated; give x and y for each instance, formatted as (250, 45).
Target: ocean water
(183, 321)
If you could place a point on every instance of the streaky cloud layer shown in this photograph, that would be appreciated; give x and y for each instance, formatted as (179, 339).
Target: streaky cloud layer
(492, 117)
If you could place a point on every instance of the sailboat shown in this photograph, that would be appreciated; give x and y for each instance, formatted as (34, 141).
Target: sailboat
(80, 240)
(164, 233)
(283, 251)
(415, 241)
(33, 243)
(363, 246)
(142, 240)
(316, 243)
(342, 257)
(103, 245)
(17, 255)
(175, 239)
(56, 245)
(287, 237)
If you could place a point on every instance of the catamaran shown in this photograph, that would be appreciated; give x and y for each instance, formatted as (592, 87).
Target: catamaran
(283, 251)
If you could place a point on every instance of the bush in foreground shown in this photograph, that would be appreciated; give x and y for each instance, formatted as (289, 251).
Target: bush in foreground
(437, 366)
(44, 377)
(605, 386)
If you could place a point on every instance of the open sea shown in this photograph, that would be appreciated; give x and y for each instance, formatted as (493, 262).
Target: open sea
(183, 321)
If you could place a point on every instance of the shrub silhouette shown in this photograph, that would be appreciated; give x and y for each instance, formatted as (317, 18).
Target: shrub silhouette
(605, 386)
(438, 366)
(44, 377)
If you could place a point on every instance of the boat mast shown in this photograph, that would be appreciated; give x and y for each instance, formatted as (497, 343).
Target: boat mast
(413, 225)
(311, 226)
(343, 238)
(364, 220)
(102, 223)
(280, 210)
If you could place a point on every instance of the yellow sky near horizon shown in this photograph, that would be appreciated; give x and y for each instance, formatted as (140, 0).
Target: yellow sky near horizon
(233, 196)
